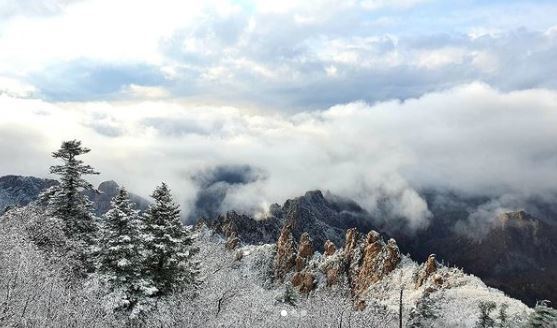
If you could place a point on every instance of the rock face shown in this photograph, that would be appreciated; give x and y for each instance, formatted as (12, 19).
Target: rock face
(245, 228)
(324, 217)
(303, 281)
(286, 253)
(232, 243)
(19, 191)
(329, 248)
(375, 261)
(428, 268)
(363, 261)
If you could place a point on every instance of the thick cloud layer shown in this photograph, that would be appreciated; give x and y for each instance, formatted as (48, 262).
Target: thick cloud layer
(472, 139)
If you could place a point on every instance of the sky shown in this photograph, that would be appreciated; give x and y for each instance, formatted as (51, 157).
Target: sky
(363, 98)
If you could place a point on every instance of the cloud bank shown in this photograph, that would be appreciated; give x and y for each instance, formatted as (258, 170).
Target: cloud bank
(473, 139)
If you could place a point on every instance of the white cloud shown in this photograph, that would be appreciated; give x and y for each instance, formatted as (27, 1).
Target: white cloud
(471, 138)
(16, 88)
(140, 91)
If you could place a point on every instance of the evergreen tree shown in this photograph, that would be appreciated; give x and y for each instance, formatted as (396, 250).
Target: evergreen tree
(424, 312)
(66, 201)
(485, 320)
(168, 245)
(503, 317)
(120, 260)
(543, 316)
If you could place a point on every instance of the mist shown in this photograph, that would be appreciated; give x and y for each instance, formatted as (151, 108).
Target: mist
(472, 139)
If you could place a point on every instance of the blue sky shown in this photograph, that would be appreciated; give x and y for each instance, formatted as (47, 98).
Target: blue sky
(284, 55)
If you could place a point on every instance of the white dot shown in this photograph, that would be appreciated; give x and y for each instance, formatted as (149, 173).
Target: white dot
(303, 313)
(283, 313)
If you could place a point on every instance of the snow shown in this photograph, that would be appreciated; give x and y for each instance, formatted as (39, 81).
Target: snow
(233, 292)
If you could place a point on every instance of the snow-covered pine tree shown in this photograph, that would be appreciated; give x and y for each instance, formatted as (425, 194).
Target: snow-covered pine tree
(66, 201)
(503, 317)
(168, 245)
(485, 319)
(425, 312)
(543, 316)
(120, 258)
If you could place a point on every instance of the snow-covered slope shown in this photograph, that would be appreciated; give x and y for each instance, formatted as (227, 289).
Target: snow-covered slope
(238, 289)
(248, 278)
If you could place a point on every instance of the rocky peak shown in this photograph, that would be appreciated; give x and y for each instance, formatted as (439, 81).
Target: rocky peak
(364, 261)
(285, 253)
(350, 244)
(102, 197)
(371, 259)
(305, 251)
(109, 187)
(329, 248)
(428, 268)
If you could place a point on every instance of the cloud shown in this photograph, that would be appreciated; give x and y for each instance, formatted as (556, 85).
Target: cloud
(215, 184)
(280, 55)
(15, 88)
(87, 80)
(472, 139)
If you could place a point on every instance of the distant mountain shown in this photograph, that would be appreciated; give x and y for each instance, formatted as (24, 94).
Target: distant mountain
(18, 191)
(323, 217)
(102, 196)
(515, 251)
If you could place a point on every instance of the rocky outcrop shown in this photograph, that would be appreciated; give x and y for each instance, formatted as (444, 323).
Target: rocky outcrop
(285, 253)
(247, 229)
(364, 261)
(376, 261)
(324, 217)
(305, 251)
(329, 248)
(303, 281)
(426, 271)
(350, 244)
(232, 243)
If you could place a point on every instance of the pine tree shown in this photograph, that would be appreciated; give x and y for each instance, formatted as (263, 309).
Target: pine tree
(168, 245)
(485, 319)
(120, 260)
(543, 316)
(66, 201)
(503, 317)
(424, 312)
